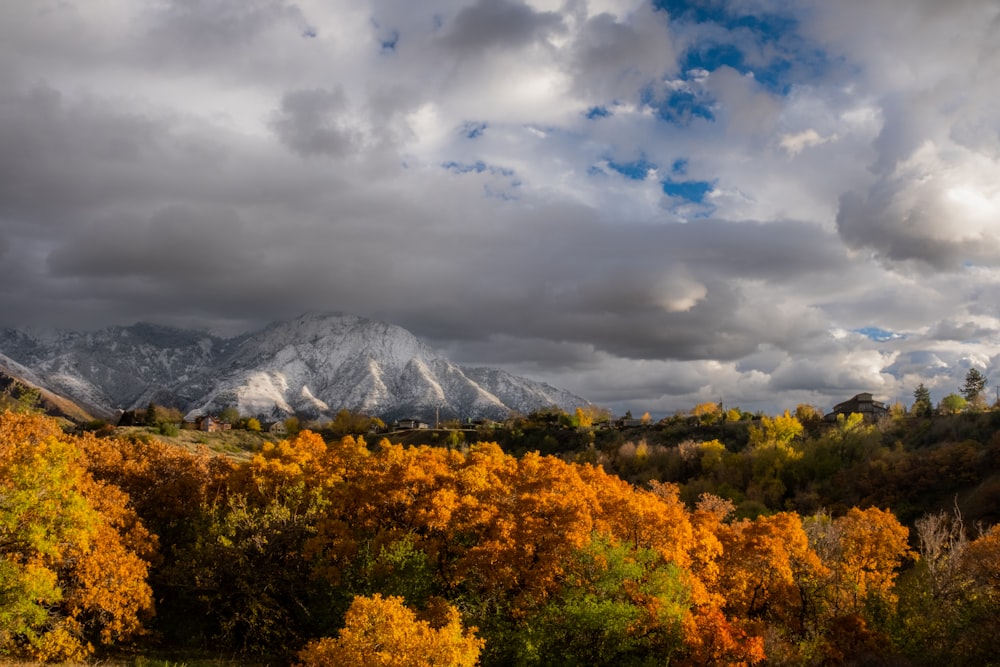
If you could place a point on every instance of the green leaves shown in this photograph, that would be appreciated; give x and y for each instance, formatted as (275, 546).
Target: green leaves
(617, 606)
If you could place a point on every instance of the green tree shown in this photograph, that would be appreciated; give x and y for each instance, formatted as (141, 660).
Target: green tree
(953, 404)
(921, 401)
(972, 390)
(617, 606)
(230, 414)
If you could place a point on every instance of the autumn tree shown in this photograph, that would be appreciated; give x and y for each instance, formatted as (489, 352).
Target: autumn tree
(778, 432)
(764, 562)
(72, 567)
(808, 414)
(864, 550)
(712, 639)
(383, 632)
(707, 413)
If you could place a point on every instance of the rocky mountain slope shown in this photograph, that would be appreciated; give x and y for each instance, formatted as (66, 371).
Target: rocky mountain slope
(311, 366)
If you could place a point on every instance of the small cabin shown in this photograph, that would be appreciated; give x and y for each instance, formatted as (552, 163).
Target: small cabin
(275, 428)
(863, 404)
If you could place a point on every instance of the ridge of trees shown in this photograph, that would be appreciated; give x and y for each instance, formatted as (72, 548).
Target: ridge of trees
(713, 537)
(733, 550)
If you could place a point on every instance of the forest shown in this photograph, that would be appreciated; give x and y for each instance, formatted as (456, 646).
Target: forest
(711, 538)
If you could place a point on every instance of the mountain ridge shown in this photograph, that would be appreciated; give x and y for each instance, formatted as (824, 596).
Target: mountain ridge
(311, 366)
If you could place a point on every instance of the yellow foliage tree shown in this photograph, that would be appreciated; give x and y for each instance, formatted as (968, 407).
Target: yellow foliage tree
(775, 431)
(383, 632)
(72, 571)
(707, 412)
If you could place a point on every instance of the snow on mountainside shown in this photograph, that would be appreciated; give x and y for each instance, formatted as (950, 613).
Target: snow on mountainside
(117, 367)
(312, 366)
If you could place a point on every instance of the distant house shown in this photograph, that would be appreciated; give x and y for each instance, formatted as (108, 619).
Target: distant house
(408, 424)
(213, 425)
(862, 404)
(275, 428)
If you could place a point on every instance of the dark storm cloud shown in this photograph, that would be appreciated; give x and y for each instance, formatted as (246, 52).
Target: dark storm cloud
(311, 122)
(582, 282)
(961, 331)
(189, 32)
(613, 59)
(505, 24)
(56, 159)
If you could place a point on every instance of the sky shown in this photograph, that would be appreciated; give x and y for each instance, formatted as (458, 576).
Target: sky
(651, 204)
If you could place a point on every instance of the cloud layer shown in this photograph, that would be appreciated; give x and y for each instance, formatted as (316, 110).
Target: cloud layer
(652, 204)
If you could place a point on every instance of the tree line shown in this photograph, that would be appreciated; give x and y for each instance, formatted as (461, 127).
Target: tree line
(317, 552)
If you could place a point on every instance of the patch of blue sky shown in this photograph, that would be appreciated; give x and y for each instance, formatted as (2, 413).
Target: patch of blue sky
(597, 112)
(879, 335)
(310, 32)
(709, 57)
(698, 12)
(794, 59)
(679, 167)
(635, 171)
(712, 56)
(465, 167)
(692, 191)
(680, 107)
(766, 27)
(389, 42)
(477, 167)
(473, 130)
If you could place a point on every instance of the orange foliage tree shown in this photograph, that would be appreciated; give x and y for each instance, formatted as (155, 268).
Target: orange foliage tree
(764, 562)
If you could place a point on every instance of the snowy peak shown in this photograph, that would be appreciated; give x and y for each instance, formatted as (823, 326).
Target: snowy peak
(311, 366)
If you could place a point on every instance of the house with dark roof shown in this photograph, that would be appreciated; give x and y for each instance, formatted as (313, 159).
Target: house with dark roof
(863, 404)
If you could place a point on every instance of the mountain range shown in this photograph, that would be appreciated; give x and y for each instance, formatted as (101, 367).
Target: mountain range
(312, 367)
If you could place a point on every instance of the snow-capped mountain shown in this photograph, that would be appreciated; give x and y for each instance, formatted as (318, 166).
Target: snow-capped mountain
(311, 366)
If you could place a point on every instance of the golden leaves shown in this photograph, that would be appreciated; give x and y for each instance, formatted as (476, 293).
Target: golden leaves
(383, 632)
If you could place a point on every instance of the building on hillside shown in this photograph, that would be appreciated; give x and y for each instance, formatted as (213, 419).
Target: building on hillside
(408, 424)
(213, 425)
(863, 404)
(274, 428)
